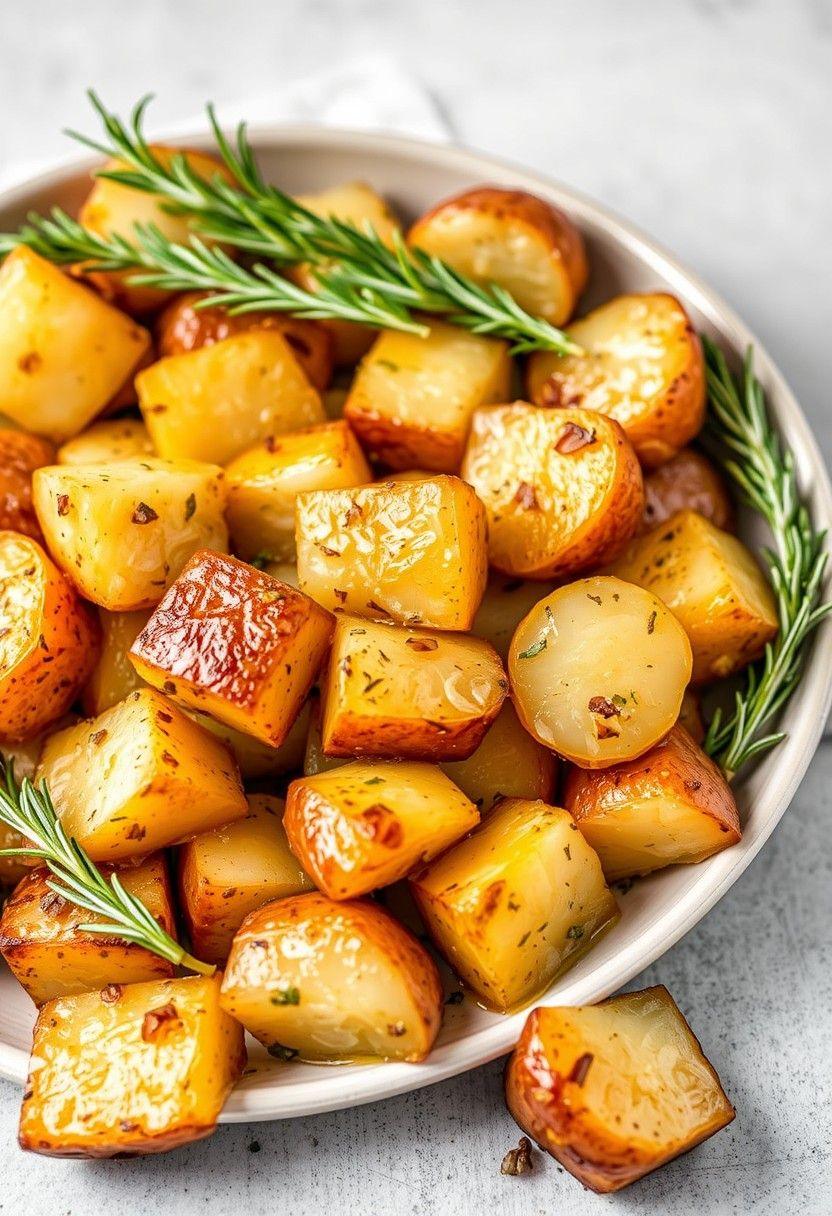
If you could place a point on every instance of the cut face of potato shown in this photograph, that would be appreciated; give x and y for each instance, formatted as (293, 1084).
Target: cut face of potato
(614, 1090)
(562, 488)
(642, 365)
(139, 1068)
(713, 586)
(114, 676)
(508, 763)
(213, 403)
(264, 483)
(20, 455)
(317, 980)
(123, 531)
(45, 948)
(671, 806)
(413, 552)
(412, 398)
(366, 825)
(227, 873)
(411, 693)
(513, 239)
(48, 639)
(231, 641)
(255, 758)
(598, 670)
(687, 482)
(104, 442)
(49, 327)
(517, 903)
(505, 603)
(138, 778)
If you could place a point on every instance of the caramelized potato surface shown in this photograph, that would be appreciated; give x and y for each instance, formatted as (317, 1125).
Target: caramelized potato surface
(20, 455)
(508, 763)
(114, 676)
(506, 601)
(104, 442)
(688, 481)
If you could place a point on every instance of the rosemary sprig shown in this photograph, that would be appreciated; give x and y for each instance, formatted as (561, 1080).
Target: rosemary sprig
(752, 454)
(28, 810)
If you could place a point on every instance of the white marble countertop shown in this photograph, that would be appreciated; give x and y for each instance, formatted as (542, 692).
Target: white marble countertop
(707, 123)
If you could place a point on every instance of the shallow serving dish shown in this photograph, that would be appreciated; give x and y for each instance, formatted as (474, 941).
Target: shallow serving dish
(658, 910)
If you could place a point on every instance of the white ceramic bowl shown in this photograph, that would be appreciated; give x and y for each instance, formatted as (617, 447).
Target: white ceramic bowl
(657, 911)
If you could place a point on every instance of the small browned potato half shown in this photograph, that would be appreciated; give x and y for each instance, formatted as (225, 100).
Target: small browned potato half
(598, 670)
(562, 488)
(513, 239)
(255, 758)
(412, 398)
(20, 455)
(688, 481)
(412, 552)
(508, 763)
(313, 979)
(227, 873)
(139, 777)
(233, 642)
(114, 676)
(48, 642)
(517, 903)
(50, 955)
(642, 365)
(712, 584)
(264, 482)
(505, 603)
(690, 716)
(135, 1068)
(122, 531)
(366, 825)
(614, 1090)
(672, 806)
(408, 693)
(183, 326)
(104, 442)
(213, 403)
(50, 326)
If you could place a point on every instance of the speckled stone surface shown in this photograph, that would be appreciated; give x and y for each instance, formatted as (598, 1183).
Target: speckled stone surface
(707, 122)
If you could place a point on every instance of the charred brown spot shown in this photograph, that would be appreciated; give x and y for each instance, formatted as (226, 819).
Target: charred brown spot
(526, 497)
(573, 438)
(98, 737)
(580, 1068)
(111, 994)
(137, 832)
(143, 514)
(353, 513)
(63, 504)
(159, 1022)
(52, 903)
(603, 706)
(421, 644)
(382, 826)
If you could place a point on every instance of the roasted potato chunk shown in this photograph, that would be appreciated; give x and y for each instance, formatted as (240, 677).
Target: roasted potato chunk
(254, 758)
(114, 676)
(48, 639)
(104, 442)
(562, 489)
(227, 873)
(598, 670)
(513, 239)
(50, 327)
(213, 403)
(517, 903)
(412, 399)
(123, 531)
(671, 806)
(20, 455)
(642, 366)
(614, 1090)
(366, 825)
(51, 956)
(140, 1068)
(319, 980)
(413, 552)
(235, 643)
(505, 603)
(508, 763)
(264, 483)
(139, 777)
(314, 760)
(688, 481)
(410, 693)
(712, 584)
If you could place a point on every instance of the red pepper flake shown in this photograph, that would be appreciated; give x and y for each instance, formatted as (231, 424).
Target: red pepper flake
(169, 687)
(162, 716)
(111, 994)
(128, 1125)
(137, 832)
(327, 551)
(573, 438)
(526, 497)
(603, 706)
(422, 644)
(63, 504)
(167, 758)
(98, 738)
(340, 595)
(355, 512)
(692, 784)
(651, 621)
(143, 514)
(396, 1029)
(580, 1068)
(377, 607)
(52, 903)
(158, 1022)
(382, 826)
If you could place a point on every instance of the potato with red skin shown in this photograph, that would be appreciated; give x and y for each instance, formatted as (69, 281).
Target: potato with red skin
(235, 643)
(20, 455)
(688, 481)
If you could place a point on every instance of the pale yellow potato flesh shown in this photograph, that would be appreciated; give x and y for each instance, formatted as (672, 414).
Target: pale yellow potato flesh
(114, 676)
(506, 601)
(508, 763)
(255, 758)
(104, 442)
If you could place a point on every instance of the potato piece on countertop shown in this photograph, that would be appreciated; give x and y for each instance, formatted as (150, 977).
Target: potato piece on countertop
(104, 442)
(20, 455)
(508, 763)
(506, 601)
(688, 481)
(114, 676)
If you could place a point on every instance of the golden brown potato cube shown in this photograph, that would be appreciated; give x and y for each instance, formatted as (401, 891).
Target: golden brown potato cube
(139, 777)
(713, 586)
(264, 482)
(104, 442)
(642, 365)
(413, 552)
(517, 903)
(227, 873)
(20, 455)
(614, 1090)
(114, 676)
(508, 763)
(255, 758)
(366, 825)
(688, 481)
(408, 693)
(138, 1068)
(672, 806)
(123, 531)
(235, 643)
(513, 239)
(63, 352)
(562, 489)
(48, 952)
(505, 603)
(317, 980)
(48, 640)
(213, 403)
(412, 398)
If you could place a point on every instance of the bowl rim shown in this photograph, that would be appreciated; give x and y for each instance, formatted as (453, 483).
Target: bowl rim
(347, 1087)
